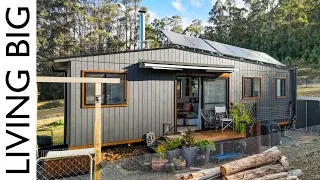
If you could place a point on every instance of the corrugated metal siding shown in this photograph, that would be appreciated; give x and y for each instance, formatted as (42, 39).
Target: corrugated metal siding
(151, 93)
(308, 113)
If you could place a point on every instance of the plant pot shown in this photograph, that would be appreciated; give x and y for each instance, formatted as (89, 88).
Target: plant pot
(203, 156)
(189, 153)
(180, 165)
(158, 164)
(173, 154)
(169, 167)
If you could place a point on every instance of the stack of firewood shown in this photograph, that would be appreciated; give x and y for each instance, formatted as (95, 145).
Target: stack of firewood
(268, 165)
(122, 152)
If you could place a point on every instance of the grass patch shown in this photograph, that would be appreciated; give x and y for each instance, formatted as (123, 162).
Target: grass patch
(44, 102)
(50, 105)
(309, 91)
(57, 128)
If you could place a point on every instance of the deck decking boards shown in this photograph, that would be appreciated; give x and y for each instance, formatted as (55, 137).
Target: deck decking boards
(214, 135)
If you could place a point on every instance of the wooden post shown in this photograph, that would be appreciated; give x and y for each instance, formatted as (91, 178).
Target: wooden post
(97, 133)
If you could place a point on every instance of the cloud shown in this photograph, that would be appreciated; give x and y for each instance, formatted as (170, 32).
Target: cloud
(153, 15)
(197, 3)
(186, 22)
(239, 3)
(177, 4)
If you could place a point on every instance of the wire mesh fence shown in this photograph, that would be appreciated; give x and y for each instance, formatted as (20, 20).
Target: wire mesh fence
(65, 167)
(297, 145)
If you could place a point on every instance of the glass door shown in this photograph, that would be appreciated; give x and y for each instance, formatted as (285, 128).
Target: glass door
(215, 93)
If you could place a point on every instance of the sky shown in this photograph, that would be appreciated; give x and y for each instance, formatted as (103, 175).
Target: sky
(189, 10)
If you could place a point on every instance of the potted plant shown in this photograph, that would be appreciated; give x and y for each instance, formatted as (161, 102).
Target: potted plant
(189, 149)
(158, 163)
(179, 163)
(205, 147)
(172, 152)
(172, 148)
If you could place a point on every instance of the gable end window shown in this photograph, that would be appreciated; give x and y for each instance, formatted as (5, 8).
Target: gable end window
(251, 87)
(281, 87)
(112, 95)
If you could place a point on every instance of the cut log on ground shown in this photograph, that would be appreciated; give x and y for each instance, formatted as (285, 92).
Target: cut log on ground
(255, 173)
(257, 160)
(294, 174)
(212, 172)
(297, 172)
(273, 176)
(195, 169)
(284, 162)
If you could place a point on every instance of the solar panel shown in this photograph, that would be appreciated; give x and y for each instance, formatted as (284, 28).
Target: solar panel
(225, 49)
(255, 55)
(200, 43)
(270, 59)
(221, 48)
(178, 39)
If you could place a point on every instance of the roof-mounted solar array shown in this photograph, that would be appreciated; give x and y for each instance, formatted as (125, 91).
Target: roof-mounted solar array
(221, 48)
(216, 47)
(188, 41)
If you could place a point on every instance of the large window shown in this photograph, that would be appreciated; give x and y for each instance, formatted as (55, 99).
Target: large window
(251, 87)
(112, 95)
(281, 87)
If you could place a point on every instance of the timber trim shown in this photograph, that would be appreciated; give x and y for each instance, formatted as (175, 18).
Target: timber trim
(285, 87)
(243, 85)
(83, 105)
(107, 144)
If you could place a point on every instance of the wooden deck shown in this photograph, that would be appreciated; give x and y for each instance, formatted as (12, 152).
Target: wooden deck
(214, 135)
(217, 135)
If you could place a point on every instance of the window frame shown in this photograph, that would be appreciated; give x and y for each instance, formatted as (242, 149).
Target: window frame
(243, 87)
(285, 87)
(83, 105)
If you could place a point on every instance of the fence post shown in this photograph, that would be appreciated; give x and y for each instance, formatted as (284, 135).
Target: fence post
(97, 133)
(306, 115)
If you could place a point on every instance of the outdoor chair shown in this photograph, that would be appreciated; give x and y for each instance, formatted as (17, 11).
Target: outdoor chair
(210, 119)
(225, 119)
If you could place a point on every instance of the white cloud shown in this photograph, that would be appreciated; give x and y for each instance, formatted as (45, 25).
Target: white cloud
(239, 3)
(153, 15)
(177, 4)
(186, 22)
(197, 3)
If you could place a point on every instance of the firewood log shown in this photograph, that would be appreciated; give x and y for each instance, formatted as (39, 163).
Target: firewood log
(213, 171)
(250, 162)
(274, 176)
(255, 173)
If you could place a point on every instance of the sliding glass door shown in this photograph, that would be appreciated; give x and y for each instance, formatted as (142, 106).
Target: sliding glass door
(215, 93)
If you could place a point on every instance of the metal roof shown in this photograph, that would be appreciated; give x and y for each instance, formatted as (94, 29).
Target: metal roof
(216, 47)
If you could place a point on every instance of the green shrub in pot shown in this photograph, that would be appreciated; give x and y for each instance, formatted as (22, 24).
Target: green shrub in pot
(204, 147)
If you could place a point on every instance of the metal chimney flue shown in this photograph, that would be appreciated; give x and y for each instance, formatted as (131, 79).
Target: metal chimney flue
(142, 34)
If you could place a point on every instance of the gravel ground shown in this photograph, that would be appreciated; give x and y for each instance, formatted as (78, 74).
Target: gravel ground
(304, 153)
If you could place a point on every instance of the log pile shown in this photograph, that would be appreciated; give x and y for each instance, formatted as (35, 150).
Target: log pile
(268, 165)
(122, 152)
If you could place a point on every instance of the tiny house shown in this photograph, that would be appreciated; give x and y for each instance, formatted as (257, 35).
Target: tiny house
(156, 85)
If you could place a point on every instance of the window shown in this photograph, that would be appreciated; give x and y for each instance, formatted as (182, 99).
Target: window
(112, 95)
(281, 87)
(251, 87)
